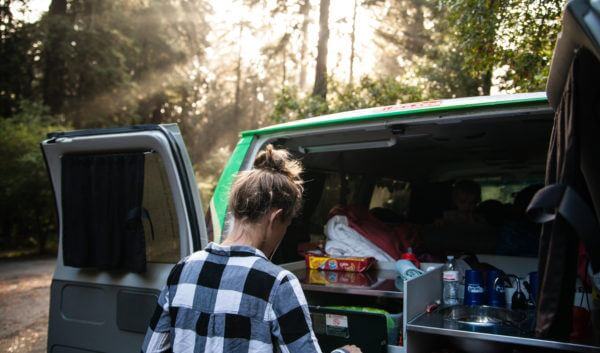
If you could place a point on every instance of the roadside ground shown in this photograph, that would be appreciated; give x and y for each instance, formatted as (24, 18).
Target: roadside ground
(24, 300)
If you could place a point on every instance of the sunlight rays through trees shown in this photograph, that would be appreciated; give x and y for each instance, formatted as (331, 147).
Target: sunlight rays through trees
(216, 67)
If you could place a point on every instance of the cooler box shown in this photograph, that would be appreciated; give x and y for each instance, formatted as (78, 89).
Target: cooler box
(335, 328)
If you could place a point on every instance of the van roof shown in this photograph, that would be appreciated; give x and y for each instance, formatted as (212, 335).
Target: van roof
(407, 109)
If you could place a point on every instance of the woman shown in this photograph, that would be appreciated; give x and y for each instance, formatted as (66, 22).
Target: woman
(230, 297)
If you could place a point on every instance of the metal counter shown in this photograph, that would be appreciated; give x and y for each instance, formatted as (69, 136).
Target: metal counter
(434, 323)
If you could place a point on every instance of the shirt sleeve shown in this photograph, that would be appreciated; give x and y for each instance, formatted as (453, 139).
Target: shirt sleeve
(158, 336)
(291, 323)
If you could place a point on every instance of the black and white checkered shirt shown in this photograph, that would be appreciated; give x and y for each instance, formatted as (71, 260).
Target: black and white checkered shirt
(230, 299)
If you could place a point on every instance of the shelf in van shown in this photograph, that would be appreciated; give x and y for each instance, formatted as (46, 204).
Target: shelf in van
(376, 283)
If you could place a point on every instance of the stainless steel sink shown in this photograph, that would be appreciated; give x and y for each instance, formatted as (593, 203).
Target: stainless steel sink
(481, 315)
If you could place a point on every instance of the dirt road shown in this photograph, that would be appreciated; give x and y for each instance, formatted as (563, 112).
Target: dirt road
(24, 297)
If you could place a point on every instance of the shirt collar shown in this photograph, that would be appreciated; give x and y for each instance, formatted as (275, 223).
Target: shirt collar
(234, 250)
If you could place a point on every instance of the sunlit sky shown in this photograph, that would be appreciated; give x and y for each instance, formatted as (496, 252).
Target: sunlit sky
(227, 13)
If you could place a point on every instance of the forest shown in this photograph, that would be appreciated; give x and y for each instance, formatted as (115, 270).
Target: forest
(217, 67)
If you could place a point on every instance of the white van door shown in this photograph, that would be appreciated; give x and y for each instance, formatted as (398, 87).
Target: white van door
(128, 209)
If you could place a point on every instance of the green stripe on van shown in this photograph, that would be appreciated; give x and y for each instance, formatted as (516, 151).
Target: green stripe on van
(221, 194)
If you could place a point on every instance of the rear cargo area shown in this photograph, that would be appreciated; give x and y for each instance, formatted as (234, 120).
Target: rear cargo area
(432, 187)
(407, 178)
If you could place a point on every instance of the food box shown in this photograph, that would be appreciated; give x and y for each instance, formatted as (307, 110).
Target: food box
(346, 264)
(340, 279)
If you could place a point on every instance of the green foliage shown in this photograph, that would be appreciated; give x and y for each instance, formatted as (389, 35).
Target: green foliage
(90, 63)
(455, 48)
(289, 105)
(516, 36)
(26, 201)
(20, 53)
(372, 93)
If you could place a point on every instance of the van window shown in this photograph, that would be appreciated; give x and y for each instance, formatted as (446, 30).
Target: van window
(117, 211)
(161, 229)
(101, 196)
(391, 194)
(332, 195)
(503, 191)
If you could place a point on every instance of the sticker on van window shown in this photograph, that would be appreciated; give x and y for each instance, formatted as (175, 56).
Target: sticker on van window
(406, 106)
(336, 325)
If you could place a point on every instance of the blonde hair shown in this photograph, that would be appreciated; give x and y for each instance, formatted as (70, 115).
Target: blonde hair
(274, 183)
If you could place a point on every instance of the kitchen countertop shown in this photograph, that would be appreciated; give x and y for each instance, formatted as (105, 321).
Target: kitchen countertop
(435, 323)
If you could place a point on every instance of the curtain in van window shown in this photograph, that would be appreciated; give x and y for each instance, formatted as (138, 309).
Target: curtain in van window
(102, 208)
(573, 157)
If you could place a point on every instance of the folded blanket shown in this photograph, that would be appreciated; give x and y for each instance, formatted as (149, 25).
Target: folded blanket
(381, 235)
(342, 240)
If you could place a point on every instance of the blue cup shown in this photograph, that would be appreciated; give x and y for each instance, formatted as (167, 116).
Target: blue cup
(474, 291)
(535, 285)
(495, 288)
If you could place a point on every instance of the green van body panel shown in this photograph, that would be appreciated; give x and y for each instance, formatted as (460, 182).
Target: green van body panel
(218, 204)
(219, 201)
(404, 110)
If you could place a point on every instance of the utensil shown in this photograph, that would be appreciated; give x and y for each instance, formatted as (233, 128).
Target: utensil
(495, 288)
(519, 301)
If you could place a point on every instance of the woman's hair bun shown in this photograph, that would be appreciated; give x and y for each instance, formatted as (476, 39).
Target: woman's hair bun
(278, 161)
(273, 183)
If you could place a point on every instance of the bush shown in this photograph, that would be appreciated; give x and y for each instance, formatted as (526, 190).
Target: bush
(27, 208)
(290, 105)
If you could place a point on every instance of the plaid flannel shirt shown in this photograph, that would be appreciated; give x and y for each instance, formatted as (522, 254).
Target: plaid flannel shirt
(230, 299)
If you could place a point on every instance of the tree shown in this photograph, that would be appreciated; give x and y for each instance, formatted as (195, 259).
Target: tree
(89, 63)
(416, 48)
(352, 43)
(516, 36)
(56, 48)
(305, 13)
(26, 203)
(20, 54)
(290, 105)
(320, 87)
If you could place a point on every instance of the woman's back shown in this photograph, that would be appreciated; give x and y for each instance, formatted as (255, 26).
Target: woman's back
(231, 299)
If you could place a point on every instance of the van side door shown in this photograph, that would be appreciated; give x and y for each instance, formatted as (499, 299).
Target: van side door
(128, 209)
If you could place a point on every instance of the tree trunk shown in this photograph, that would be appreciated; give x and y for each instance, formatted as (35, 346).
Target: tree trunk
(6, 18)
(320, 87)
(58, 7)
(486, 83)
(238, 76)
(305, 12)
(283, 66)
(53, 84)
(352, 42)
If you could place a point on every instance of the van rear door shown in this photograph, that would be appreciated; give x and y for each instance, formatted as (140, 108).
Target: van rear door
(128, 209)
(580, 29)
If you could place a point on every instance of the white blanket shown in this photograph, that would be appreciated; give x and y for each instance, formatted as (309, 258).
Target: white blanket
(342, 240)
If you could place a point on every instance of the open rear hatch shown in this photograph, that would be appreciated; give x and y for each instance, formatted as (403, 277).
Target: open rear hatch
(580, 29)
(128, 209)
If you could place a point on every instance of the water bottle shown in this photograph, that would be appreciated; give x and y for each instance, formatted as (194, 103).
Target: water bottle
(450, 282)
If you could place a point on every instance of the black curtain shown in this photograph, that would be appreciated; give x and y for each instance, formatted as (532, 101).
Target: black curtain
(573, 168)
(102, 207)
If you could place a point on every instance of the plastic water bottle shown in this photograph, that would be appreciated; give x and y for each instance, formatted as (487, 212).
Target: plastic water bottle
(450, 282)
